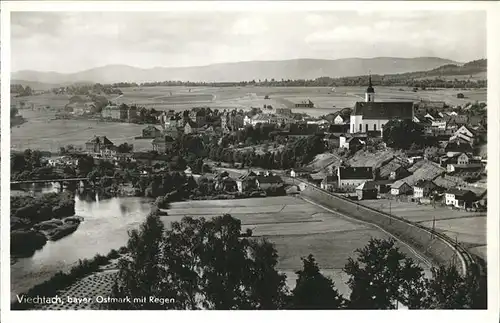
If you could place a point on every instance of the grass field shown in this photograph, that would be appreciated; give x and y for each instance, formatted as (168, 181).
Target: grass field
(44, 134)
(469, 228)
(296, 227)
(90, 287)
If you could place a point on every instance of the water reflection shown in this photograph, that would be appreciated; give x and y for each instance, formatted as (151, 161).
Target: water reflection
(105, 226)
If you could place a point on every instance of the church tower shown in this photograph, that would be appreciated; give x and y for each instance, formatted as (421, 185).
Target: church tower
(370, 92)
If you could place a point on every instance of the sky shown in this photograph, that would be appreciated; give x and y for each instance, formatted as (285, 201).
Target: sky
(68, 42)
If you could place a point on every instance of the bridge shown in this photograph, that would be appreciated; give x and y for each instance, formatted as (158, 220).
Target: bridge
(36, 181)
(54, 180)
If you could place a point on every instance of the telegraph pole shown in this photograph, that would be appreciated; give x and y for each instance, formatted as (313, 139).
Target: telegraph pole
(390, 212)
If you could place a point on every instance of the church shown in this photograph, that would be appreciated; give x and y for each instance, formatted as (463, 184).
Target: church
(372, 116)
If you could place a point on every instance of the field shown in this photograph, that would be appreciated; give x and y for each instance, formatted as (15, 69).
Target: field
(44, 134)
(469, 228)
(296, 227)
(40, 133)
(99, 284)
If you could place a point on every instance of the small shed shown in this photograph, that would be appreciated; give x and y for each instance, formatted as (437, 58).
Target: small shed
(367, 190)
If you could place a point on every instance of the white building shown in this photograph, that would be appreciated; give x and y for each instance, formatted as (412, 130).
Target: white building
(372, 116)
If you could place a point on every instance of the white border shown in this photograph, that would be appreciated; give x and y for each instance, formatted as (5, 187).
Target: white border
(491, 315)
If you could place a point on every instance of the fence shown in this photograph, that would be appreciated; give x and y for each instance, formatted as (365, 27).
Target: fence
(437, 247)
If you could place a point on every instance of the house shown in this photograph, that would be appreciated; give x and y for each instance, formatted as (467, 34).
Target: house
(424, 106)
(383, 185)
(151, 132)
(339, 119)
(351, 143)
(455, 121)
(465, 134)
(338, 128)
(424, 188)
(393, 170)
(284, 112)
(457, 146)
(305, 104)
(111, 112)
(299, 172)
(98, 145)
(351, 177)
(328, 183)
(460, 198)
(371, 115)
(224, 182)
(400, 188)
(457, 158)
(246, 182)
(366, 191)
(265, 182)
(161, 144)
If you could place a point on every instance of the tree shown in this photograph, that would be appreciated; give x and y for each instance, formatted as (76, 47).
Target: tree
(125, 148)
(402, 134)
(313, 290)
(450, 290)
(141, 274)
(202, 264)
(383, 275)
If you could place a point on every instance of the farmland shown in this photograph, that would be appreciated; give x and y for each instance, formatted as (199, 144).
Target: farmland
(296, 227)
(40, 133)
(48, 135)
(466, 227)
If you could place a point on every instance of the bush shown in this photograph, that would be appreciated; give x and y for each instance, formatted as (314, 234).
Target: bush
(113, 254)
(25, 243)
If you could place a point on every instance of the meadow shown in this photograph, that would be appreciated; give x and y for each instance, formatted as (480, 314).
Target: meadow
(297, 228)
(48, 135)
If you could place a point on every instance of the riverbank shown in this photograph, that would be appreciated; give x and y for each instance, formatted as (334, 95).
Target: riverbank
(106, 226)
(61, 281)
(35, 220)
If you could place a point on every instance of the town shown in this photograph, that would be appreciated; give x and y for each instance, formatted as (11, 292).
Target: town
(420, 161)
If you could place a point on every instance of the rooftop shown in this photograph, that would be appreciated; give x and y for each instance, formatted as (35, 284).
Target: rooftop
(384, 110)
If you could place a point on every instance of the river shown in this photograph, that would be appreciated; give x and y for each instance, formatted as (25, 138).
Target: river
(105, 227)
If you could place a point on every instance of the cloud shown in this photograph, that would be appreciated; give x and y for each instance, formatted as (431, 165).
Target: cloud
(73, 41)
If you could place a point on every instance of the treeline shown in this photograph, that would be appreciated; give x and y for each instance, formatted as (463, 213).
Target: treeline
(87, 89)
(415, 81)
(211, 264)
(293, 154)
(20, 91)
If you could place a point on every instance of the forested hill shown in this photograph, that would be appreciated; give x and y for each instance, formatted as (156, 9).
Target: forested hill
(470, 68)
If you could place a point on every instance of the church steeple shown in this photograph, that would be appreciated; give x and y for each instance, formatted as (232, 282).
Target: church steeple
(370, 92)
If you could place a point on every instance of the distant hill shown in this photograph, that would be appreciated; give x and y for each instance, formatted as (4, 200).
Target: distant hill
(241, 71)
(467, 69)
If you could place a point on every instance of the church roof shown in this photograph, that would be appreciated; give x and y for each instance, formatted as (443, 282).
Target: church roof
(384, 110)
